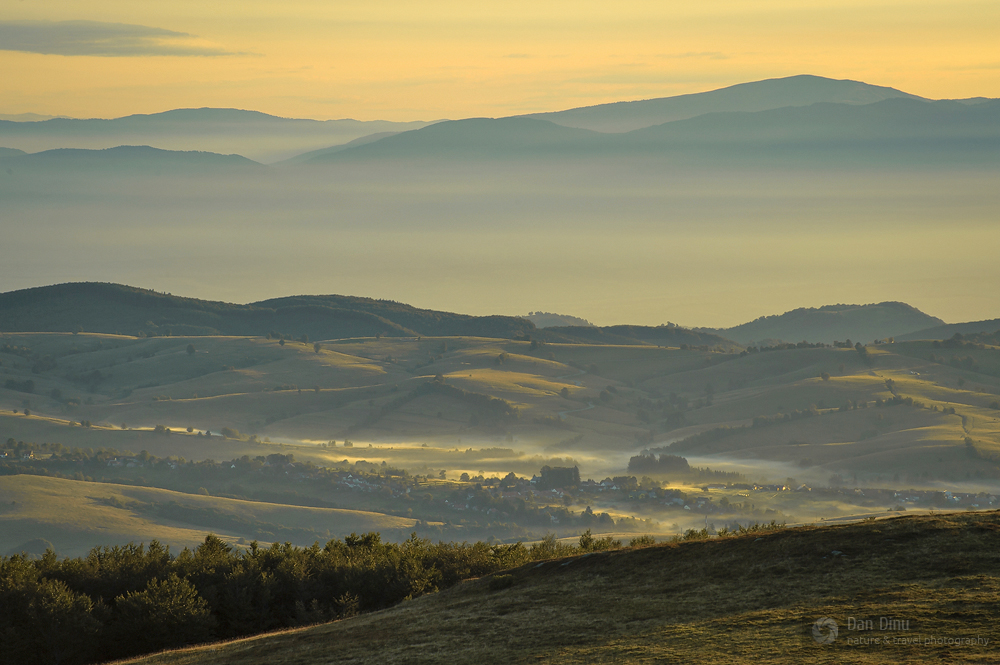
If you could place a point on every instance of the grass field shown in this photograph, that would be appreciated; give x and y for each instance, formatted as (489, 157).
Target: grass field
(751, 598)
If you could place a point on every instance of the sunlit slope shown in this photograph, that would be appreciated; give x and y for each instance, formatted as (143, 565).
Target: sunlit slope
(76, 516)
(815, 407)
(746, 599)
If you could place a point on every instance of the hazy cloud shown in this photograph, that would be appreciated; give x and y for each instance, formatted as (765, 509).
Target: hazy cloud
(97, 38)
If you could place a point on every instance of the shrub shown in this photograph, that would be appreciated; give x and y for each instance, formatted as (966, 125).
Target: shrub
(500, 582)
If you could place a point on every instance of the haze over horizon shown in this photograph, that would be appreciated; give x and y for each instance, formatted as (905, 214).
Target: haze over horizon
(781, 214)
(443, 59)
(796, 192)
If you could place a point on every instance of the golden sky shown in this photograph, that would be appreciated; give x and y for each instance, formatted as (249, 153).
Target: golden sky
(429, 59)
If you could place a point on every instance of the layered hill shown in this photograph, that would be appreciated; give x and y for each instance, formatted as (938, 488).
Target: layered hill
(948, 330)
(859, 323)
(127, 161)
(753, 598)
(802, 90)
(889, 131)
(256, 135)
(114, 308)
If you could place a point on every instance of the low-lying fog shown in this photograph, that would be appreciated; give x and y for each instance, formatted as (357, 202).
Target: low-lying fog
(607, 242)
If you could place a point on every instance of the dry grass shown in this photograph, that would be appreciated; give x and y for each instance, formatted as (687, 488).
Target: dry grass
(76, 516)
(743, 599)
(359, 377)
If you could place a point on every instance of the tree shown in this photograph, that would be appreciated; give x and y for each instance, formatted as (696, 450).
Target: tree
(281, 342)
(163, 615)
(304, 339)
(564, 392)
(317, 347)
(190, 349)
(825, 376)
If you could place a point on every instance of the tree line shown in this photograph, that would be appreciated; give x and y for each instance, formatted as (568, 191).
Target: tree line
(122, 601)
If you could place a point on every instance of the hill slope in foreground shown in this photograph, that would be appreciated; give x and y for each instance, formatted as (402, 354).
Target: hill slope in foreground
(754, 597)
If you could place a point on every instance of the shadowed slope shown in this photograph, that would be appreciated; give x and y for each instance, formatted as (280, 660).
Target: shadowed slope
(862, 323)
(743, 599)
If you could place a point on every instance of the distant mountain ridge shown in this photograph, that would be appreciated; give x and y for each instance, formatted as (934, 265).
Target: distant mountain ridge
(125, 159)
(253, 134)
(908, 132)
(859, 323)
(948, 330)
(116, 308)
(898, 132)
(802, 90)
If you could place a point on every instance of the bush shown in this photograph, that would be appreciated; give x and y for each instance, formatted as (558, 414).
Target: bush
(500, 582)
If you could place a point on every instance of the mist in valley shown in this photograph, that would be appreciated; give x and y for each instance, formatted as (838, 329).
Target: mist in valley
(611, 242)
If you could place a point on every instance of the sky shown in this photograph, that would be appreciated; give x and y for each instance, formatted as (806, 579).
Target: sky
(431, 59)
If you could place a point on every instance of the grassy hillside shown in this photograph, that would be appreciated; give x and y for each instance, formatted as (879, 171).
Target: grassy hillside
(913, 409)
(752, 598)
(76, 516)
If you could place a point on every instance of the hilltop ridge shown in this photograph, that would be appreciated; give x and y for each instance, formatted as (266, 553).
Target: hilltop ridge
(801, 90)
(860, 323)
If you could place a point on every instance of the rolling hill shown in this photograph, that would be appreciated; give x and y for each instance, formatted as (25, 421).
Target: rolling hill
(114, 308)
(596, 394)
(76, 516)
(860, 323)
(802, 90)
(947, 330)
(748, 599)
